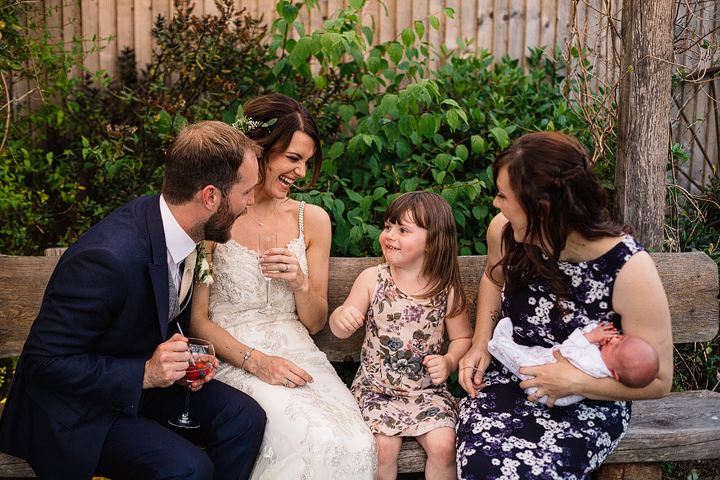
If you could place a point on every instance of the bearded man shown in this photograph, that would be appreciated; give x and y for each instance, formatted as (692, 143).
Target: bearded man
(103, 368)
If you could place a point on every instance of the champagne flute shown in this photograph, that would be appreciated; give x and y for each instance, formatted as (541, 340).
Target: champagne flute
(201, 352)
(266, 242)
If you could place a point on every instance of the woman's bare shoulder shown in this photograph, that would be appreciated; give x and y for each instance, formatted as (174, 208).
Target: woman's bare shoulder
(496, 227)
(317, 228)
(494, 238)
(313, 213)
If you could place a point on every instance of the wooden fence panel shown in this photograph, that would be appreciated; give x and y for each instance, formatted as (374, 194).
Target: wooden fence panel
(485, 22)
(54, 19)
(466, 16)
(107, 27)
(504, 27)
(533, 26)
(252, 8)
(564, 13)
(516, 29)
(453, 29)
(436, 37)
(501, 16)
(71, 27)
(419, 11)
(143, 22)
(548, 19)
(698, 132)
(501, 26)
(89, 18)
(125, 24)
(19, 87)
(385, 22)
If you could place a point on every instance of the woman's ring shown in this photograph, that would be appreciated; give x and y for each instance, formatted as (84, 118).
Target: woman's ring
(287, 267)
(287, 384)
(537, 395)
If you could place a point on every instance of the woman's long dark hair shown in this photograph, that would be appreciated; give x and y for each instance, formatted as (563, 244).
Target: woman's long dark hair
(554, 181)
(433, 213)
(290, 116)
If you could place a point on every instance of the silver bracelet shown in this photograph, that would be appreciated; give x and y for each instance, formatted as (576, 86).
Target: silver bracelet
(247, 355)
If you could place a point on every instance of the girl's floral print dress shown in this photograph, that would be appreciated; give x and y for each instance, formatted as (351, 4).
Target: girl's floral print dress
(392, 386)
(501, 435)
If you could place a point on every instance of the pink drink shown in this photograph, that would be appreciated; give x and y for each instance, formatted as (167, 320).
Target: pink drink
(199, 370)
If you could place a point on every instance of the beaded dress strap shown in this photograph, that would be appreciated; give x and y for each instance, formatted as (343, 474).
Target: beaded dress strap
(302, 211)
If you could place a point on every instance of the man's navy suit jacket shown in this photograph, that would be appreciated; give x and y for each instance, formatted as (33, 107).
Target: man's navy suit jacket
(103, 314)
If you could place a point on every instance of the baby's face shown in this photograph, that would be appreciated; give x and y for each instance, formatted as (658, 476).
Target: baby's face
(609, 353)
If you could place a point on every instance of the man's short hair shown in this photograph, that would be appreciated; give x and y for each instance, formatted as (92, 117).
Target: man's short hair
(202, 154)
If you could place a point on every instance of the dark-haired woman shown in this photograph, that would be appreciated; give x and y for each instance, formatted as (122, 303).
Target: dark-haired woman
(555, 262)
(314, 427)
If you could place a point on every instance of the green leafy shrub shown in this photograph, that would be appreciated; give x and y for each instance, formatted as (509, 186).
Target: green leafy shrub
(390, 123)
(97, 142)
(406, 127)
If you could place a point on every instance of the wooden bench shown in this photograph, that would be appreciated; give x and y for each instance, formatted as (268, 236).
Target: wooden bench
(682, 426)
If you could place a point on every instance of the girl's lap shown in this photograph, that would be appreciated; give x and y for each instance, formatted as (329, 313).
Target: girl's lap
(410, 415)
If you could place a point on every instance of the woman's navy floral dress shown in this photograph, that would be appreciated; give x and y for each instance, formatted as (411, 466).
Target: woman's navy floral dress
(392, 386)
(502, 435)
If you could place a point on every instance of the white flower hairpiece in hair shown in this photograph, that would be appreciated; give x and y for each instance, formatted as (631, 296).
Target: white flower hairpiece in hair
(203, 268)
(247, 124)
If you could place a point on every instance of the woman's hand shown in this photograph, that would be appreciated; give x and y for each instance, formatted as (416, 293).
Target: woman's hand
(472, 368)
(556, 380)
(286, 266)
(439, 367)
(277, 370)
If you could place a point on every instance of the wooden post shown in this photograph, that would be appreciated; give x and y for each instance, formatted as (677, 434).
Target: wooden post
(628, 471)
(644, 118)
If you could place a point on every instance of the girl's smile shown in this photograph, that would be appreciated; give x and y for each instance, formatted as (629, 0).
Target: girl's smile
(403, 244)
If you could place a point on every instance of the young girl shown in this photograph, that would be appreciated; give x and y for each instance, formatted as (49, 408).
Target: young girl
(410, 301)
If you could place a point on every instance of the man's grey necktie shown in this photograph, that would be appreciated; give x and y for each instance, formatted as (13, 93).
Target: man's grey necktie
(174, 310)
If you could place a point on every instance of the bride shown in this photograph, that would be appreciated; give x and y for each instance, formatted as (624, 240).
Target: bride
(314, 428)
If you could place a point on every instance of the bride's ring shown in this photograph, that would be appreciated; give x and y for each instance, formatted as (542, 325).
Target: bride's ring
(287, 384)
(287, 267)
(537, 396)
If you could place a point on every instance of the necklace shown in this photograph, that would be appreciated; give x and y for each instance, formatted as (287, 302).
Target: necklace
(268, 217)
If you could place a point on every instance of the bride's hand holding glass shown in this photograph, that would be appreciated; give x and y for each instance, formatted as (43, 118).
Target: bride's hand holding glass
(283, 264)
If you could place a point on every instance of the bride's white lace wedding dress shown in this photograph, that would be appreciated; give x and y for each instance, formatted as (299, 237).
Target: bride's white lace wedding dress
(315, 431)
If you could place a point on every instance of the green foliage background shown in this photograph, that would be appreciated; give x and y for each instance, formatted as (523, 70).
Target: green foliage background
(390, 120)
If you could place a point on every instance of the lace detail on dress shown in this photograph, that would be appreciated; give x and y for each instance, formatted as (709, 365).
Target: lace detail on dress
(315, 431)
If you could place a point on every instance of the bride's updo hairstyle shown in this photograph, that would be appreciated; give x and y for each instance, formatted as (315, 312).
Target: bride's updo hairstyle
(290, 116)
(554, 181)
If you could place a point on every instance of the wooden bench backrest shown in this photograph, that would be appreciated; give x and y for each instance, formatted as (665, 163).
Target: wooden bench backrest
(690, 280)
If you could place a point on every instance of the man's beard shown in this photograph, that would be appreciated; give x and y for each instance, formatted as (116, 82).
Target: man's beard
(218, 228)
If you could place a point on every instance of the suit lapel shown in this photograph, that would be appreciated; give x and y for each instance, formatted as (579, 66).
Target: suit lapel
(159, 268)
